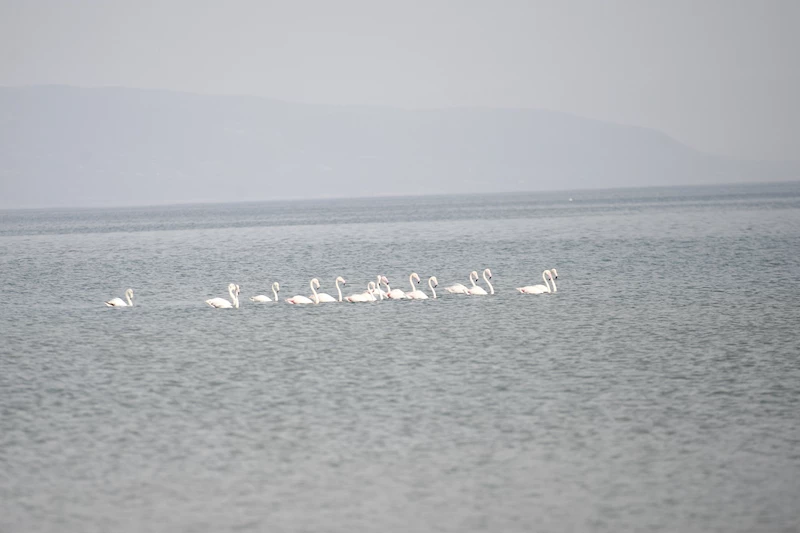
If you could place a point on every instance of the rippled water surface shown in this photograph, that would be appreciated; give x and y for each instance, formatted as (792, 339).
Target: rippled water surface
(657, 390)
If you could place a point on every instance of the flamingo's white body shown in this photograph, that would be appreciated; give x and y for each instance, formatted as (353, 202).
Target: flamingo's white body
(119, 302)
(364, 297)
(276, 288)
(419, 295)
(458, 288)
(323, 297)
(480, 291)
(222, 303)
(540, 289)
(302, 299)
(396, 294)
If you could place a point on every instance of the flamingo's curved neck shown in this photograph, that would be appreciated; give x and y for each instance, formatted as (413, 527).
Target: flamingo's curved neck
(553, 281)
(546, 283)
(338, 289)
(232, 294)
(430, 284)
(411, 282)
(316, 298)
(491, 289)
(274, 292)
(472, 280)
(128, 297)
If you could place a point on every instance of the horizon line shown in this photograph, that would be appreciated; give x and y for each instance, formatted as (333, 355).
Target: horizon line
(189, 203)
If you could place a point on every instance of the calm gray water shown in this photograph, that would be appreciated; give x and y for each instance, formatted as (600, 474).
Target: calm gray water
(658, 390)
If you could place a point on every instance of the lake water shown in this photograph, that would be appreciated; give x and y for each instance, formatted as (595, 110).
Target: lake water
(657, 390)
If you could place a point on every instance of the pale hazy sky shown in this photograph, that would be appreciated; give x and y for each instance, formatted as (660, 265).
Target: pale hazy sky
(720, 75)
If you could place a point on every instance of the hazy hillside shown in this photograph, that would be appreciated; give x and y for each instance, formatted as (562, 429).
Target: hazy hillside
(73, 146)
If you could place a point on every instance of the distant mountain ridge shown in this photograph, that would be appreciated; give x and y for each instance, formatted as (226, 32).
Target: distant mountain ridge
(69, 146)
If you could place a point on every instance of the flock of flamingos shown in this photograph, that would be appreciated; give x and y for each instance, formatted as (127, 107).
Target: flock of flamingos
(373, 293)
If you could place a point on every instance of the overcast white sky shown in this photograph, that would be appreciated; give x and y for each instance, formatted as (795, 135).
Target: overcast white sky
(720, 75)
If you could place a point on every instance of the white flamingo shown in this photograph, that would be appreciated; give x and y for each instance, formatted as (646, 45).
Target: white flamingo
(323, 297)
(412, 294)
(540, 289)
(302, 299)
(397, 294)
(376, 289)
(119, 302)
(368, 296)
(276, 288)
(419, 295)
(222, 303)
(479, 291)
(380, 292)
(461, 289)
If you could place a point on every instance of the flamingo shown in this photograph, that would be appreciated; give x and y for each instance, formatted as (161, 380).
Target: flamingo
(119, 302)
(368, 296)
(479, 291)
(419, 295)
(302, 299)
(222, 303)
(276, 288)
(323, 297)
(397, 294)
(378, 290)
(461, 289)
(540, 289)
